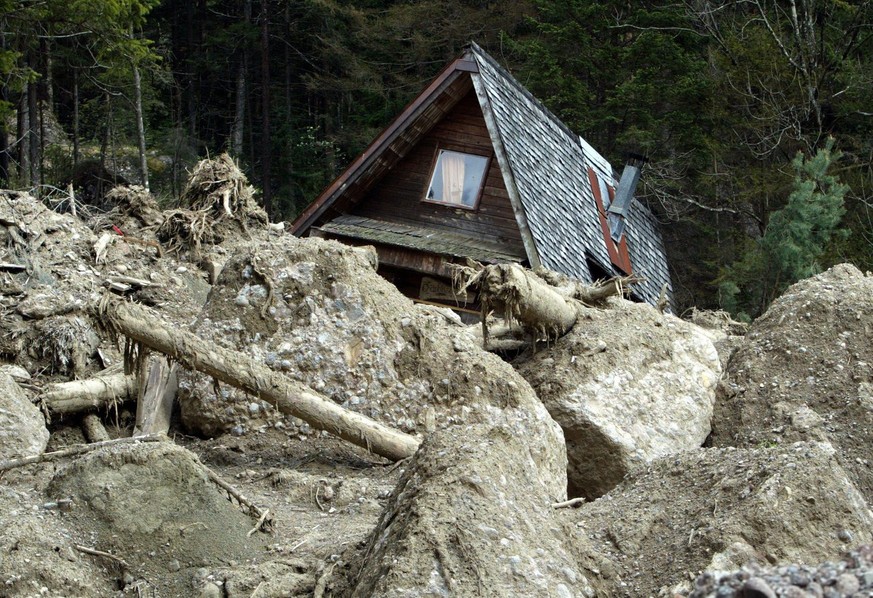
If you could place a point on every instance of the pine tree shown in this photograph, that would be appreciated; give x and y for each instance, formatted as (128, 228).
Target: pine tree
(798, 234)
(796, 238)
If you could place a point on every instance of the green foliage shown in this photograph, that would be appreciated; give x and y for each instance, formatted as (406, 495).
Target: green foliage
(795, 239)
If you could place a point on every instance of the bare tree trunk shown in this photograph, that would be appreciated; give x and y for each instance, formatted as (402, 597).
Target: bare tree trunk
(32, 132)
(140, 127)
(236, 142)
(48, 79)
(266, 142)
(241, 371)
(23, 138)
(4, 133)
(75, 117)
(104, 144)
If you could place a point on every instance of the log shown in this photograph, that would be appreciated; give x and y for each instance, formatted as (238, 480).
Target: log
(93, 429)
(79, 449)
(240, 371)
(155, 404)
(524, 297)
(94, 393)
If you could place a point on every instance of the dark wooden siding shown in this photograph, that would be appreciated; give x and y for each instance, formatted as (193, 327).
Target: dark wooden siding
(397, 197)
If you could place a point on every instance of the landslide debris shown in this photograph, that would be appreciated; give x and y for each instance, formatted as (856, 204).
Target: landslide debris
(717, 509)
(472, 513)
(805, 372)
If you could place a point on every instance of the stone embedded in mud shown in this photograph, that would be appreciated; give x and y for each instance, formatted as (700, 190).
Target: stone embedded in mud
(627, 385)
(22, 426)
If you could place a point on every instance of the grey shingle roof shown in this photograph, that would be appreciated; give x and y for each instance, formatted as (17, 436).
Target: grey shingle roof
(548, 165)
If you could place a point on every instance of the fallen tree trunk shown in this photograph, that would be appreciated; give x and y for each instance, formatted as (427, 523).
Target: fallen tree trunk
(155, 404)
(93, 429)
(240, 371)
(94, 393)
(524, 297)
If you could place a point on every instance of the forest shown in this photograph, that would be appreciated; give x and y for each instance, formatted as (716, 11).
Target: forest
(756, 116)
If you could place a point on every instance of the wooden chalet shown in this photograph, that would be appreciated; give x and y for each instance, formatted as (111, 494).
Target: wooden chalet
(475, 167)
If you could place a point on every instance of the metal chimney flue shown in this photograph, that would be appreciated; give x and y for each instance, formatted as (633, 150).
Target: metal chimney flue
(620, 207)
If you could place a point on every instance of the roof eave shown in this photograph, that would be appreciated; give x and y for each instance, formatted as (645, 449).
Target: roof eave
(453, 70)
(527, 237)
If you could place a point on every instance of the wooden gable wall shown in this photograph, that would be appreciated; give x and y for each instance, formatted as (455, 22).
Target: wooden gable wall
(397, 196)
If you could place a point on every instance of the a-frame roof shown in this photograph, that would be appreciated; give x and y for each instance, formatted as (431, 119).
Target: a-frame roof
(545, 169)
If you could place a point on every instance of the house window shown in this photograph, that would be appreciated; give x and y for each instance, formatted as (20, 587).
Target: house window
(457, 178)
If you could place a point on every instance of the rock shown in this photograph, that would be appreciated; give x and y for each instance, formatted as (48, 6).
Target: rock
(471, 515)
(627, 385)
(804, 372)
(850, 576)
(718, 508)
(274, 579)
(210, 590)
(16, 371)
(22, 426)
(318, 312)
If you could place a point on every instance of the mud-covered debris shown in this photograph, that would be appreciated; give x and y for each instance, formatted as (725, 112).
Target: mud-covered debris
(133, 201)
(152, 504)
(804, 371)
(318, 312)
(218, 201)
(473, 515)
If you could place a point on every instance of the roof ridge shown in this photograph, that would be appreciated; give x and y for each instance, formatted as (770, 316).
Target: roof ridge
(478, 52)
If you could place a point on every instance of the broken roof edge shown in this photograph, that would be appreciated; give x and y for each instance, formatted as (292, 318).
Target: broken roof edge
(406, 117)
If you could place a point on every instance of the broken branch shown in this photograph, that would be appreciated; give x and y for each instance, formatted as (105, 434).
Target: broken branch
(100, 553)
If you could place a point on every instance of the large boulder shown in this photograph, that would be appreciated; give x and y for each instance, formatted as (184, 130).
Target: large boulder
(805, 372)
(22, 426)
(318, 312)
(717, 509)
(627, 385)
(472, 515)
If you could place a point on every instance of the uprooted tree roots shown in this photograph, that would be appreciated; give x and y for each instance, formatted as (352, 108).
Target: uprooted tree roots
(217, 193)
(544, 303)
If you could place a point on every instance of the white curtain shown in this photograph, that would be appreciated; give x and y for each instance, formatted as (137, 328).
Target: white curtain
(453, 178)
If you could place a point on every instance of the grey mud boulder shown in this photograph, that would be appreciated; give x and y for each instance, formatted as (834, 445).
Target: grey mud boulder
(805, 373)
(473, 516)
(627, 385)
(718, 509)
(22, 426)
